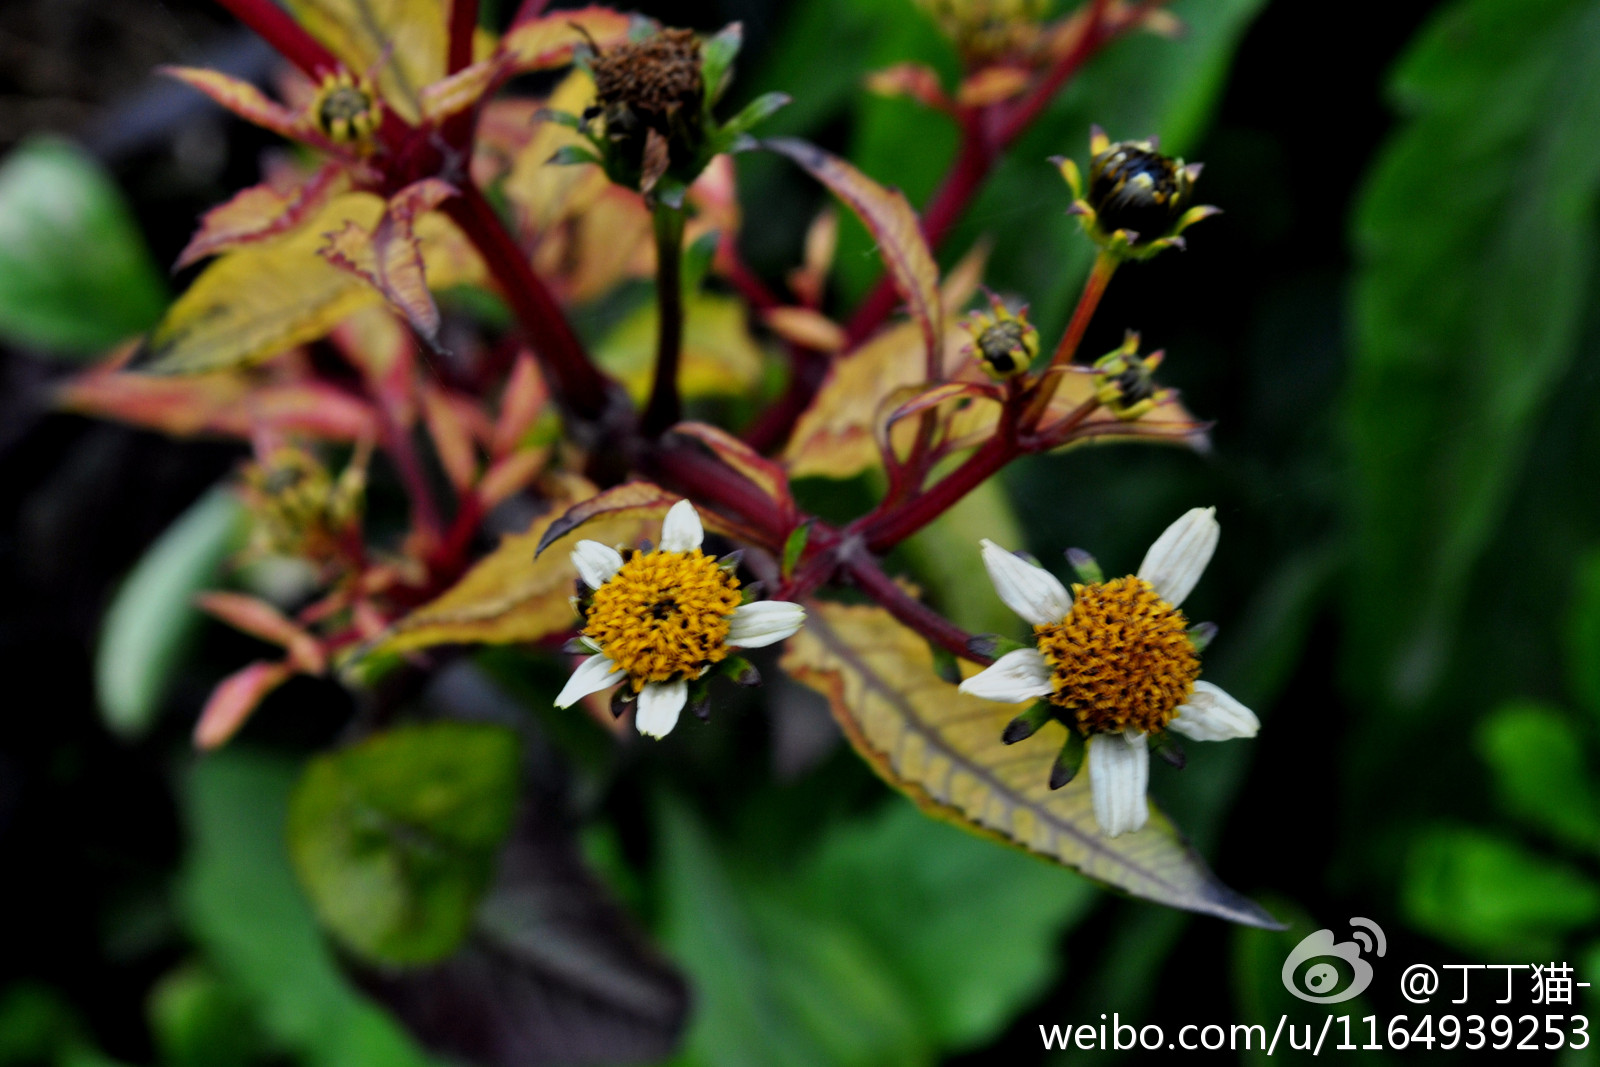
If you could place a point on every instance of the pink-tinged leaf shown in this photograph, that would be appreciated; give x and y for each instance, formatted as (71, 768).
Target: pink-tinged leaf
(400, 43)
(991, 85)
(461, 90)
(260, 619)
(889, 218)
(235, 699)
(250, 104)
(550, 40)
(263, 211)
(511, 474)
(228, 403)
(915, 80)
(390, 258)
(943, 748)
(632, 500)
(521, 402)
(377, 342)
(452, 437)
(803, 326)
(765, 474)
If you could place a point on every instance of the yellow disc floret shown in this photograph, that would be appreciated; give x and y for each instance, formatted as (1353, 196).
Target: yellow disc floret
(346, 109)
(1121, 659)
(664, 615)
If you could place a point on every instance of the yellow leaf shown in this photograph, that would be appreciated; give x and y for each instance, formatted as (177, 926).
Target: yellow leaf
(942, 748)
(719, 355)
(550, 40)
(403, 41)
(255, 302)
(837, 435)
(516, 594)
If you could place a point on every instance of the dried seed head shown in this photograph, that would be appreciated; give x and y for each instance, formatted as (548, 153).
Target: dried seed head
(654, 81)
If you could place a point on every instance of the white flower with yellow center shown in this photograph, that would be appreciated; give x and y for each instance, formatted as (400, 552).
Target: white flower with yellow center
(1116, 662)
(660, 620)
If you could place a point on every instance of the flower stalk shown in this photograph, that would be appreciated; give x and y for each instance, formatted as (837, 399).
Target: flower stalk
(665, 407)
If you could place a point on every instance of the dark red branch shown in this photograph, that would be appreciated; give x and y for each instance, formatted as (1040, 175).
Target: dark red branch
(579, 386)
(285, 35)
(463, 27)
(870, 579)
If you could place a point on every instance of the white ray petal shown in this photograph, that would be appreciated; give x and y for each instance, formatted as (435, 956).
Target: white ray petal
(593, 674)
(1212, 715)
(659, 706)
(1178, 558)
(1119, 775)
(1013, 678)
(681, 530)
(1030, 591)
(763, 623)
(597, 564)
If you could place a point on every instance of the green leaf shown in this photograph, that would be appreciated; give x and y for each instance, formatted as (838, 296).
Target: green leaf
(395, 838)
(1488, 895)
(152, 618)
(75, 274)
(897, 940)
(1583, 637)
(1475, 240)
(569, 155)
(197, 1019)
(1541, 774)
(243, 906)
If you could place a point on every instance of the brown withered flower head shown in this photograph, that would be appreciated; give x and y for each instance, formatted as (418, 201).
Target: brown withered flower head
(650, 95)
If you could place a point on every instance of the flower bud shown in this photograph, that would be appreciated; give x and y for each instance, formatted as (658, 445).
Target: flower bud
(1138, 201)
(346, 109)
(1004, 341)
(1124, 381)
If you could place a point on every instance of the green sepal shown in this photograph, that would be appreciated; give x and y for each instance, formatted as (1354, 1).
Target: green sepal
(717, 54)
(1068, 761)
(1201, 634)
(740, 671)
(795, 546)
(573, 154)
(993, 646)
(1166, 746)
(1027, 724)
(1085, 566)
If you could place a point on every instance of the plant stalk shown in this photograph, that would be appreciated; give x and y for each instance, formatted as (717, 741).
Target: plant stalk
(665, 407)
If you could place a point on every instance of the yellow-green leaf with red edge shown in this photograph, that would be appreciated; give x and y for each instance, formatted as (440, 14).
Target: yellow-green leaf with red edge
(401, 43)
(249, 103)
(231, 403)
(893, 224)
(515, 594)
(255, 302)
(836, 437)
(550, 40)
(274, 207)
(389, 257)
(942, 748)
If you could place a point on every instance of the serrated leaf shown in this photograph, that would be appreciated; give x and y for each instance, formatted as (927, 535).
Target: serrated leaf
(255, 302)
(1486, 894)
(894, 226)
(766, 475)
(394, 839)
(153, 615)
(942, 748)
(263, 211)
(75, 274)
(514, 594)
(1541, 773)
(389, 258)
(1467, 306)
(631, 500)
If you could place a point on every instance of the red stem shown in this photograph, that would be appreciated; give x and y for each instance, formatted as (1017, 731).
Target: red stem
(403, 453)
(882, 531)
(870, 579)
(463, 27)
(577, 383)
(285, 35)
